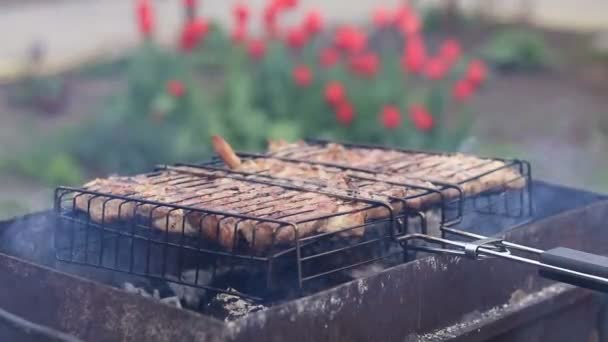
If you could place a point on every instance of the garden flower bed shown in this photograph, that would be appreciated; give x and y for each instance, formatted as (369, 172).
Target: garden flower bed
(388, 81)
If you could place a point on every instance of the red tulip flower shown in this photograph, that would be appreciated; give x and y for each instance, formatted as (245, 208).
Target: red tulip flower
(381, 18)
(365, 64)
(296, 37)
(329, 57)
(450, 51)
(302, 75)
(345, 113)
(408, 23)
(350, 39)
(145, 18)
(463, 90)
(421, 118)
(477, 72)
(341, 37)
(256, 48)
(270, 18)
(190, 3)
(313, 22)
(193, 33)
(357, 42)
(435, 69)
(176, 88)
(241, 14)
(286, 4)
(415, 54)
(401, 14)
(335, 93)
(239, 35)
(390, 117)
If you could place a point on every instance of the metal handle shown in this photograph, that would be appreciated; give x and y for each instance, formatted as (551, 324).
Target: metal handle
(575, 260)
(562, 264)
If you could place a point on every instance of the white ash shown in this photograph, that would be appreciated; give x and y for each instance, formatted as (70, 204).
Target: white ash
(526, 299)
(365, 270)
(190, 295)
(172, 300)
(235, 306)
(140, 291)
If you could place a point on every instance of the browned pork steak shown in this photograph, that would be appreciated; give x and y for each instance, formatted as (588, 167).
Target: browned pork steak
(187, 187)
(473, 174)
(302, 199)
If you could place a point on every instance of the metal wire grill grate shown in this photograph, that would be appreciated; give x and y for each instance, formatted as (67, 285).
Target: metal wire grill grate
(182, 219)
(483, 182)
(204, 225)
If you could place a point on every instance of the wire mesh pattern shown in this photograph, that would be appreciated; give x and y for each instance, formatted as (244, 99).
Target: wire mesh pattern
(445, 200)
(215, 223)
(484, 182)
(277, 234)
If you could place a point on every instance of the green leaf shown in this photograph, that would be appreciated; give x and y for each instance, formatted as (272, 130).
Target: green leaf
(164, 103)
(519, 49)
(63, 169)
(287, 130)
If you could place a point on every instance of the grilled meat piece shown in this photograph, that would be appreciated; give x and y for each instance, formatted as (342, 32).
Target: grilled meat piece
(105, 209)
(400, 191)
(296, 212)
(262, 214)
(271, 201)
(473, 174)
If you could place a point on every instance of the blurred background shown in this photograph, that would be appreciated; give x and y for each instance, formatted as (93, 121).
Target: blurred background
(91, 88)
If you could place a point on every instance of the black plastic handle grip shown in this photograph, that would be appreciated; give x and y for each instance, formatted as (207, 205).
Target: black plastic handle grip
(571, 259)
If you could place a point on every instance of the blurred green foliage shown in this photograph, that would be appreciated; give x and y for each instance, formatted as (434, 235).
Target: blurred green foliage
(244, 100)
(47, 163)
(518, 49)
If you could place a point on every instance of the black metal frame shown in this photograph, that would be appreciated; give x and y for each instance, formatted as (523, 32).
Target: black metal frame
(484, 203)
(137, 246)
(493, 201)
(161, 253)
(439, 188)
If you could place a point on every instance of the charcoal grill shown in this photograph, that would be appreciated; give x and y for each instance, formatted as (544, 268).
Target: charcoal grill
(306, 266)
(277, 275)
(496, 300)
(140, 248)
(560, 263)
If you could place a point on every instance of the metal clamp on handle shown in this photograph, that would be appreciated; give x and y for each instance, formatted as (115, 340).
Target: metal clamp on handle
(562, 264)
(472, 249)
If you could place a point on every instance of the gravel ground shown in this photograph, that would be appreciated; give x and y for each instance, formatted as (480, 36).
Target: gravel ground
(555, 122)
